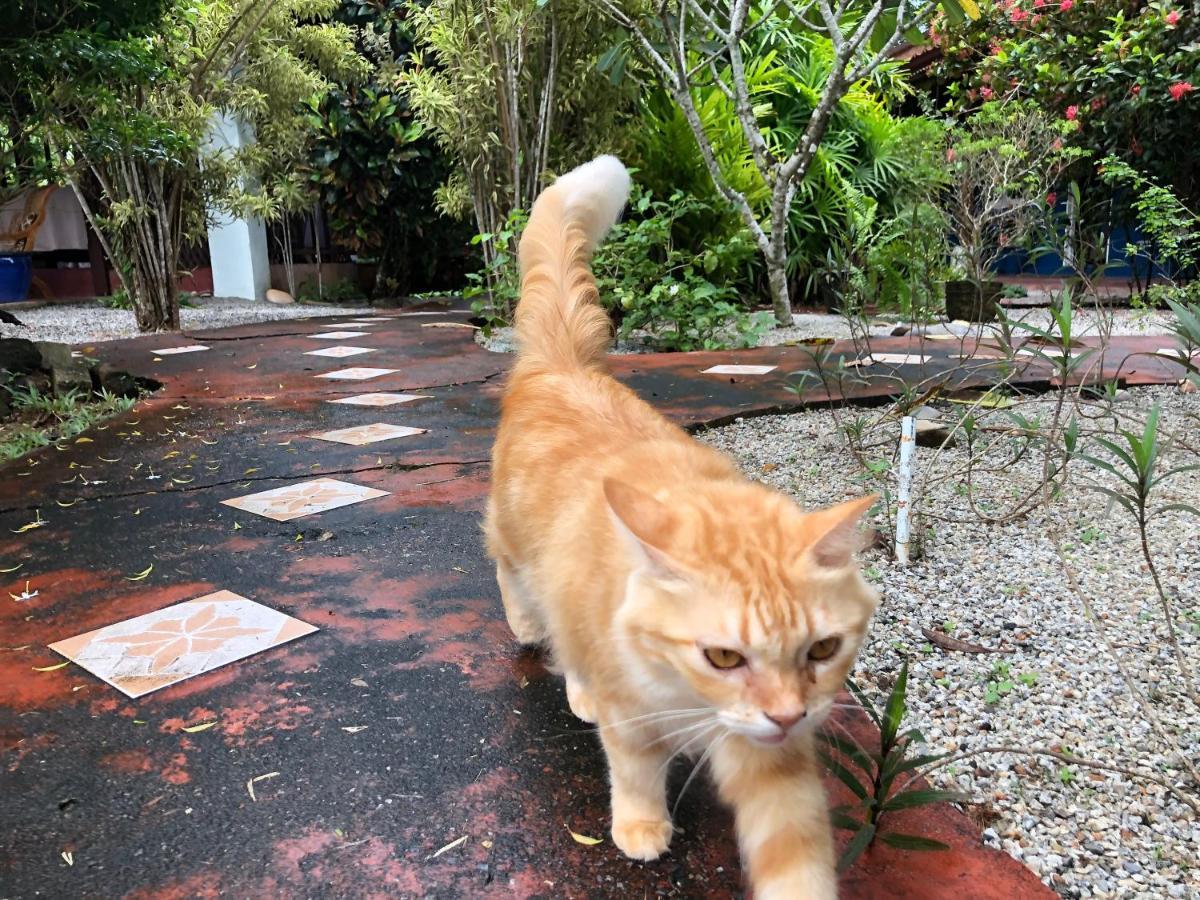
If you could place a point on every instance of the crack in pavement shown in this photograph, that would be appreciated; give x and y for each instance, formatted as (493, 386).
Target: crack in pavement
(188, 489)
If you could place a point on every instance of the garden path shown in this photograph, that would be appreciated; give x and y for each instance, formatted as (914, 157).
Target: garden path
(362, 723)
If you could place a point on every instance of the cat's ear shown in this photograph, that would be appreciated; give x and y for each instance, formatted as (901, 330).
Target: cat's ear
(831, 535)
(646, 523)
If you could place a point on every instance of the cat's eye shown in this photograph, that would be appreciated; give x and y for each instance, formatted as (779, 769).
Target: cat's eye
(824, 649)
(723, 658)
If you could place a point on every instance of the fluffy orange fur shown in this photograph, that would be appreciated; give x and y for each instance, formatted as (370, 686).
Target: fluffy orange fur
(692, 611)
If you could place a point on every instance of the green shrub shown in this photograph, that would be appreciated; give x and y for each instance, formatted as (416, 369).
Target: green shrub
(674, 296)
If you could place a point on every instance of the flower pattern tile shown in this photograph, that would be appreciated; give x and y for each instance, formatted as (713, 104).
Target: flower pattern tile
(738, 370)
(339, 335)
(304, 499)
(186, 348)
(164, 647)
(368, 434)
(381, 398)
(339, 352)
(357, 373)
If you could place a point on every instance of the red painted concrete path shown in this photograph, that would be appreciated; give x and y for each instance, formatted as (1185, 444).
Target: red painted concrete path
(101, 796)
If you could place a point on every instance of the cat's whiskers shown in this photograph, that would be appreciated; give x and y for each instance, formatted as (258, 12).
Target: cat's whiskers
(662, 715)
(679, 731)
(702, 735)
(696, 769)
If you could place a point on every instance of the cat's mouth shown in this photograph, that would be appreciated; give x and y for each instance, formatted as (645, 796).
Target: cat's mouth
(771, 740)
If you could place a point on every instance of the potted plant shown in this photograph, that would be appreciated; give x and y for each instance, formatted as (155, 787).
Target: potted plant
(1002, 164)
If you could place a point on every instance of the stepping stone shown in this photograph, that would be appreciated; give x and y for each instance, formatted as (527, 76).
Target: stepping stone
(164, 647)
(186, 348)
(339, 352)
(367, 434)
(899, 359)
(738, 370)
(304, 499)
(379, 399)
(339, 335)
(356, 373)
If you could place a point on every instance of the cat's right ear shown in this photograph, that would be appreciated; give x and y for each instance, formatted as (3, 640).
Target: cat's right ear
(646, 524)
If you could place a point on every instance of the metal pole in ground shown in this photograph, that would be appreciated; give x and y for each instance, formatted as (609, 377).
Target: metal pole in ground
(908, 446)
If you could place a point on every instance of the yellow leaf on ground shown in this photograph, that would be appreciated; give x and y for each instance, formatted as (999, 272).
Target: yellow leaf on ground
(192, 729)
(51, 668)
(142, 574)
(450, 846)
(583, 838)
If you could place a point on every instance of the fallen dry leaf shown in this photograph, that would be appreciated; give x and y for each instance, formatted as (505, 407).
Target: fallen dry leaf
(192, 729)
(250, 784)
(450, 846)
(583, 838)
(51, 668)
(946, 642)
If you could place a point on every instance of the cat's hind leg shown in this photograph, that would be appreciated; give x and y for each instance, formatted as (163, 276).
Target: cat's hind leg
(519, 608)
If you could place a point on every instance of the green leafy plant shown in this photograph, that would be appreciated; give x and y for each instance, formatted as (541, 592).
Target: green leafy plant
(871, 775)
(42, 419)
(1137, 466)
(680, 300)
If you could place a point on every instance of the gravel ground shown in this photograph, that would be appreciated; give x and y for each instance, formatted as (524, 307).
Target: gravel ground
(826, 325)
(79, 323)
(1085, 833)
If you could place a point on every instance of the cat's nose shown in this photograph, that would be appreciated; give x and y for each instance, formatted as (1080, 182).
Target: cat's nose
(786, 721)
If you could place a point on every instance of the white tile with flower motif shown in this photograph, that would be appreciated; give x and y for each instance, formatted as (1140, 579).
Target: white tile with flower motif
(381, 398)
(304, 499)
(738, 370)
(339, 335)
(356, 373)
(339, 352)
(164, 647)
(368, 434)
(186, 348)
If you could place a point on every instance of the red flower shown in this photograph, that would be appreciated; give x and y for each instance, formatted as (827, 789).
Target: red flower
(1179, 89)
(950, 155)
(1173, 18)
(1057, 145)
(1066, 5)
(987, 93)
(1097, 104)
(1036, 20)
(1073, 112)
(1018, 15)
(1136, 90)
(1051, 199)
(1038, 4)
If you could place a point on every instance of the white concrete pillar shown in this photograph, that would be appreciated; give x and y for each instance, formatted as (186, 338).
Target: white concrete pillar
(236, 247)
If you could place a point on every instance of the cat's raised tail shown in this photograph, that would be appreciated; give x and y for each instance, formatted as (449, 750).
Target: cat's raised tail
(559, 322)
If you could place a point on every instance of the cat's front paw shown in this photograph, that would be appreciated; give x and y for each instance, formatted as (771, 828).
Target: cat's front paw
(643, 839)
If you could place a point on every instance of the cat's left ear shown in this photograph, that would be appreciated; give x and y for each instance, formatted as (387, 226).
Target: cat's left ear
(646, 523)
(831, 535)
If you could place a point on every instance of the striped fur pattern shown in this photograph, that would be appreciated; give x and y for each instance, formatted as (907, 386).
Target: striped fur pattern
(695, 614)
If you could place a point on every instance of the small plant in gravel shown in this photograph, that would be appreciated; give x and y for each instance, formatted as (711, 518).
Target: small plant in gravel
(1138, 468)
(871, 775)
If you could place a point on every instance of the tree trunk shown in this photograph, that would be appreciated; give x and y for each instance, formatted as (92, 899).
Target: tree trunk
(781, 301)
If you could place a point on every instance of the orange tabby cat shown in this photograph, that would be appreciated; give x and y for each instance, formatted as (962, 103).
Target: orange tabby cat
(692, 611)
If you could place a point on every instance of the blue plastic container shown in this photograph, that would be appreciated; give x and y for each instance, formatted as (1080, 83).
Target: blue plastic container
(16, 274)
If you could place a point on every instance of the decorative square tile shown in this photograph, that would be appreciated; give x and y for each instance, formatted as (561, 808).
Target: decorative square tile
(339, 352)
(900, 359)
(186, 348)
(367, 434)
(357, 373)
(295, 500)
(1175, 352)
(378, 399)
(339, 335)
(738, 370)
(149, 652)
